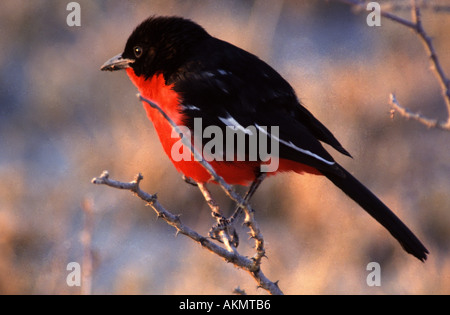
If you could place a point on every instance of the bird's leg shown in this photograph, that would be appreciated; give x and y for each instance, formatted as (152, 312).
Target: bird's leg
(222, 231)
(258, 180)
(229, 222)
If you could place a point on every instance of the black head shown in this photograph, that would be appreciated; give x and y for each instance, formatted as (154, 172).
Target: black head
(158, 45)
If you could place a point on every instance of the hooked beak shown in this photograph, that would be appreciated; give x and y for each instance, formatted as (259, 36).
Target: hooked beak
(116, 63)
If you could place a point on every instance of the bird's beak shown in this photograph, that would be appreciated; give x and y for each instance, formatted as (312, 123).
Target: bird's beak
(116, 63)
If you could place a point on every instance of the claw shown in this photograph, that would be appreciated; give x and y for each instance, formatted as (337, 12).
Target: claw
(189, 180)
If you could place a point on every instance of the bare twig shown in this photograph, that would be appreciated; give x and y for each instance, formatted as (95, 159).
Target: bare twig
(174, 220)
(404, 112)
(221, 231)
(361, 5)
(416, 26)
(211, 203)
(444, 82)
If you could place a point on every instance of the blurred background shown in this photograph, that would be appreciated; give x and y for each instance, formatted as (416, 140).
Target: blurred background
(62, 122)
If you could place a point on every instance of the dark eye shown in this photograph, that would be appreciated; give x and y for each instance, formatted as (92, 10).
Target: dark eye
(138, 51)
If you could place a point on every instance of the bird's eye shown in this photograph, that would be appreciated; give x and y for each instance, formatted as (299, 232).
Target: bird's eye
(138, 51)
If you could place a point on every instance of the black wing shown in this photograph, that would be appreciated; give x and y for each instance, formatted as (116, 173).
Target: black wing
(225, 85)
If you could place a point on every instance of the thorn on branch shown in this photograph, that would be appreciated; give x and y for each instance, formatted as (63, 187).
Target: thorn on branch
(239, 291)
(100, 180)
(138, 178)
(406, 113)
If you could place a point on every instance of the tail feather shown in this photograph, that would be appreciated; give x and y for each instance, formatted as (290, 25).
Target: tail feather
(380, 212)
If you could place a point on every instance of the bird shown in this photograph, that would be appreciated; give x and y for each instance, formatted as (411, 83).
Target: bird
(195, 77)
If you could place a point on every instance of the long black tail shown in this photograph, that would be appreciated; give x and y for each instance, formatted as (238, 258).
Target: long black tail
(380, 212)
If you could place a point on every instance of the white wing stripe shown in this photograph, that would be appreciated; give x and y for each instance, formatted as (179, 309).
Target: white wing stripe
(231, 122)
(293, 146)
(191, 107)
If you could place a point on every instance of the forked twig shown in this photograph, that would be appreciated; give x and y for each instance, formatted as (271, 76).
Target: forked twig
(240, 261)
(404, 112)
(416, 26)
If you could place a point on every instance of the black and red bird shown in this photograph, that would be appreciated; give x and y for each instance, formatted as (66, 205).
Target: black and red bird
(190, 74)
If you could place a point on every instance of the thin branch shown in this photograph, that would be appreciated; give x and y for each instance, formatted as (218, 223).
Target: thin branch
(361, 5)
(211, 203)
(444, 82)
(221, 231)
(175, 221)
(416, 26)
(404, 112)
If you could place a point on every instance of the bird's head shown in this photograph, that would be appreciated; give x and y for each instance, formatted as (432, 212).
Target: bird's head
(158, 45)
